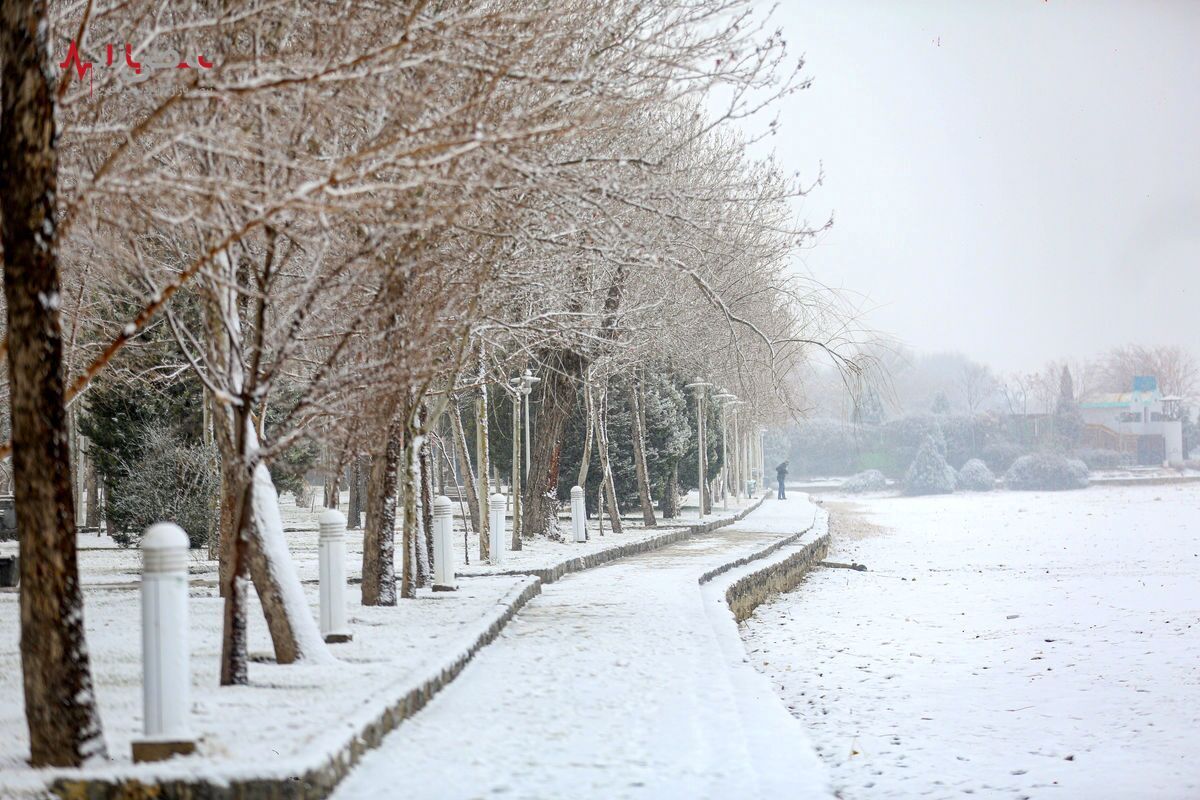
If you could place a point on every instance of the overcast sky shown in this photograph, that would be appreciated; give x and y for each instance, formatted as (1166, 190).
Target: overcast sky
(1017, 179)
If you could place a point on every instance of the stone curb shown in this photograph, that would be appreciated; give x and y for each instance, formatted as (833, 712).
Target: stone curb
(601, 557)
(749, 591)
(320, 781)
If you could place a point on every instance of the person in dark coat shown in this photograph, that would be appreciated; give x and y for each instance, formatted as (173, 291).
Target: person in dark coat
(781, 478)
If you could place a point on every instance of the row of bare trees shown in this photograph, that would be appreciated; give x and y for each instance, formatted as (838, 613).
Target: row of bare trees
(390, 209)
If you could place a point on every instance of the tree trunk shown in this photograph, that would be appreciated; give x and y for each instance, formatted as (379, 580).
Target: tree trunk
(425, 466)
(464, 457)
(354, 505)
(586, 460)
(60, 705)
(540, 515)
(379, 538)
(408, 571)
(606, 478)
(669, 501)
(639, 456)
(257, 548)
(92, 486)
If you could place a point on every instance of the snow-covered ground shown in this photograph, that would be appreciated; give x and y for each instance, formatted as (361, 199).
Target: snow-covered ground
(612, 683)
(1012, 644)
(288, 712)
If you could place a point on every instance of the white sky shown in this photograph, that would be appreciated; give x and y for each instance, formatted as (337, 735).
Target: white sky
(1015, 179)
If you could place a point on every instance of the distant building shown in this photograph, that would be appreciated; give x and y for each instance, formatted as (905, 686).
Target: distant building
(1141, 423)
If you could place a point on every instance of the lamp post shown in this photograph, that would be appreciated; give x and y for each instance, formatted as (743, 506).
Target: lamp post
(739, 476)
(698, 386)
(762, 455)
(726, 399)
(527, 382)
(516, 462)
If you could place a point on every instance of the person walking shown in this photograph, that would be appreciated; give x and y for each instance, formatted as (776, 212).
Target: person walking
(781, 478)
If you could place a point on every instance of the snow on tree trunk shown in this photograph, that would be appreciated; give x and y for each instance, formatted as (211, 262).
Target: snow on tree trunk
(639, 456)
(60, 706)
(379, 538)
(540, 516)
(294, 630)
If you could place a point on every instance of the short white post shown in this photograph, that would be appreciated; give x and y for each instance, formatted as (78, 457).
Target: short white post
(166, 673)
(331, 553)
(578, 514)
(496, 529)
(443, 545)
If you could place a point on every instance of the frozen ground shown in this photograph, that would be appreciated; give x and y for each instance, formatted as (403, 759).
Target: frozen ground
(613, 683)
(1011, 644)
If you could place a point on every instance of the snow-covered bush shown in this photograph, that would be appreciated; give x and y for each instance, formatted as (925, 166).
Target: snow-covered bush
(999, 456)
(1096, 458)
(171, 482)
(870, 481)
(929, 473)
(976, 477)
(1046, 471)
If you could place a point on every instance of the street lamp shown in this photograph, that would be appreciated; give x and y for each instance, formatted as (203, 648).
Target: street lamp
(726, 399)
(698, 386)
(527, 382)
(515, 391)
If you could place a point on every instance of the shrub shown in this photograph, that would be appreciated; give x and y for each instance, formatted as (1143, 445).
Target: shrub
(870, 481)
(999, 456)
(976, 477)
(929, 473)
(171, 482)
(1048, 471)
(1096, 458)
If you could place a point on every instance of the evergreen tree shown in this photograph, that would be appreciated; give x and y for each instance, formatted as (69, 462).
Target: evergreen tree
(1068, 420)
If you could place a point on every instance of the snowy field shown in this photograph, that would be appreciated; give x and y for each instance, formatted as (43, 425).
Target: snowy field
(1012, 644)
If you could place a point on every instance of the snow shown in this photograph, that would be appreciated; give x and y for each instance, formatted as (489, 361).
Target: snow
(1011, 644)
(297, 712)
(289, 715)
(623, 681)
(269, 522)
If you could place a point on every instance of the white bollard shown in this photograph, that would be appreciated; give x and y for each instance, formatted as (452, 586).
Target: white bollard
(496, 529)
(578, 514)
(443, 545)
(331, 549)
(166, 673)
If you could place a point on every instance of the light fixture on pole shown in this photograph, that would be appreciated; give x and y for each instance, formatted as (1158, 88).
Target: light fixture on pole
(698, 386)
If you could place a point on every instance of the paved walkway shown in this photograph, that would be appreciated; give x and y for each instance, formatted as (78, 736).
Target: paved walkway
(616, 682)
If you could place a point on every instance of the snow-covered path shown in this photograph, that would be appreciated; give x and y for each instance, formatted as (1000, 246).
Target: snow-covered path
(615, 682)
(1011, 644)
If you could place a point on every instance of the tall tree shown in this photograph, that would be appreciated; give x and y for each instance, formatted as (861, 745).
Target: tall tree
(60, 706)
